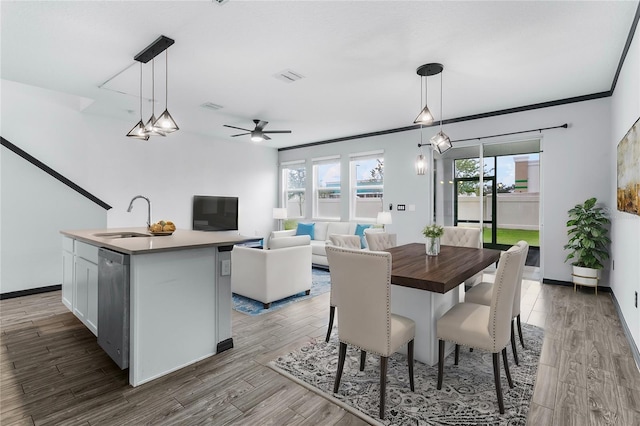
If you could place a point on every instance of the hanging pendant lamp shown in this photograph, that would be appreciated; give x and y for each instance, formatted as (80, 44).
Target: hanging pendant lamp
(440, 140)
(425, 117)
(138, 130)
(165, 123)
(149, 128)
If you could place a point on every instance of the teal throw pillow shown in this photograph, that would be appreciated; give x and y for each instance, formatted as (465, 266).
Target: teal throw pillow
(360, 232)
(306, 229)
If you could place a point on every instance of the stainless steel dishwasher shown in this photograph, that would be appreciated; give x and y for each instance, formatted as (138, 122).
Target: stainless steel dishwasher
(113, 305)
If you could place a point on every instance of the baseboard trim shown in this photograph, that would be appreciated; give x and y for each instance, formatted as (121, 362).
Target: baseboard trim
(570, 284)
(627, 332)
(29, 292)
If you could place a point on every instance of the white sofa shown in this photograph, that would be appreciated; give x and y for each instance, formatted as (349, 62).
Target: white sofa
(272, 274)
(322, 231)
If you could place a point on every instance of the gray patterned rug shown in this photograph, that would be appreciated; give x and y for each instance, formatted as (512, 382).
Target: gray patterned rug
(468, 395)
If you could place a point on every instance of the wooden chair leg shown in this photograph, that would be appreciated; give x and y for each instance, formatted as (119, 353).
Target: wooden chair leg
(342, 353)
(383, 384)
(266, 305)
(440, 362)
(496, 375)
(513, 344)
(363, 358)
(506, 366)
(332, 313)
(520, 332)
(456, 355)
(307, 292)
(410, 361)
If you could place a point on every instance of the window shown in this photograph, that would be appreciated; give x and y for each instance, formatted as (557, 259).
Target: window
(294, 183)
(326, 188)
(367, 185)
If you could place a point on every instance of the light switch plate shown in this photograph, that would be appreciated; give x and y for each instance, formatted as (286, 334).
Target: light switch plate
(225, 267)
(401, 207)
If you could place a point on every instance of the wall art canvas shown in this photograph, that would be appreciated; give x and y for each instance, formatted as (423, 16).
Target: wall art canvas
(629, 171)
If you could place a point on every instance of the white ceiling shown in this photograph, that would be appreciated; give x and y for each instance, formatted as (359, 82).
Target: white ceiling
(358, 58)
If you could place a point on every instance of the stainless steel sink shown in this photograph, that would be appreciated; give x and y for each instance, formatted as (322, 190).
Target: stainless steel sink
(120, 235)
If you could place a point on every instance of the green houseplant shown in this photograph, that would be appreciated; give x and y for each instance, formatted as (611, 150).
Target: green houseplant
(433, 233)
(588, 241)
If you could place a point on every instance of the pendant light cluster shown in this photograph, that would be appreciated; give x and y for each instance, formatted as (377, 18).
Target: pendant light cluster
(165, 123)
(440, 141)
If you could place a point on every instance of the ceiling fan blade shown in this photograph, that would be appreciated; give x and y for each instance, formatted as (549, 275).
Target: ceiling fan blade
(260, 124)
(265, 137)
(240, 134)
(277, 131)
(234, 127)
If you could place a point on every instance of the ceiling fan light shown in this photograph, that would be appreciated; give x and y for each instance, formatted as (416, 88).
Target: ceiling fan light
(165, 123)
(138, 132)
(256, 136)
(441, 142)
(425, 117)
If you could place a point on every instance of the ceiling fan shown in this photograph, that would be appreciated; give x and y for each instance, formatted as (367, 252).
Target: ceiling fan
(258, 134)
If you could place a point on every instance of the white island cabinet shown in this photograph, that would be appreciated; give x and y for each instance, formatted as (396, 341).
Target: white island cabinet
(179, 295)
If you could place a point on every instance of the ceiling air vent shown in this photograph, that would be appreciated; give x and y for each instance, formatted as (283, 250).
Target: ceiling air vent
(211, 106)
(288, 76)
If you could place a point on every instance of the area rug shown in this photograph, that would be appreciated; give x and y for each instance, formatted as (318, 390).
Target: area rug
(467, 397)
(320, 283)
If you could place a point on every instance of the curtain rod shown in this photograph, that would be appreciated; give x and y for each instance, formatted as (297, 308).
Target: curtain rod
(565, 125)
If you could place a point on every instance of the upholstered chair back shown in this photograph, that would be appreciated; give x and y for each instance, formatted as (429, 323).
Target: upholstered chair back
(362, 282)
(504, 288)
(461, 237)
(377, 241)
(347, 241)
(518, 293)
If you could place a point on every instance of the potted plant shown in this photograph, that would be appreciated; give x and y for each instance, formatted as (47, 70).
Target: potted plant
(433, 233)
(588, 242)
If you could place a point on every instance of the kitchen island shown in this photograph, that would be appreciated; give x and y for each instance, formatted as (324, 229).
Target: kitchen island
(179, 298)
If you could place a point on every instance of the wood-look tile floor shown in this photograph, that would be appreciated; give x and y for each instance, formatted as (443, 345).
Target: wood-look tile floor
(53, 372)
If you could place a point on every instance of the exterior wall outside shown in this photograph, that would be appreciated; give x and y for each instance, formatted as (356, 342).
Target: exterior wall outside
(515, 210)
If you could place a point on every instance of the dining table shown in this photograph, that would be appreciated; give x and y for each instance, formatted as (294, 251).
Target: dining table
(425, 287)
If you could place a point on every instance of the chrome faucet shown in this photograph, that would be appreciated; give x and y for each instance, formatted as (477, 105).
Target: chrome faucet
(148, 210)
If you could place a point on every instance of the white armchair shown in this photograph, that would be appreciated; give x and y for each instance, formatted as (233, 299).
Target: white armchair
(270, 275)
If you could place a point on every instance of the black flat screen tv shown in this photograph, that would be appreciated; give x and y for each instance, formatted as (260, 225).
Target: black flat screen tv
(213, 213)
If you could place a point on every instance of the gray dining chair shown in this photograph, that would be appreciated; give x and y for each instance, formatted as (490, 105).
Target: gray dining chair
(482, 293)
(348, 241)
(484, 327)
(362, 281)
(463, 237)
(377, 241)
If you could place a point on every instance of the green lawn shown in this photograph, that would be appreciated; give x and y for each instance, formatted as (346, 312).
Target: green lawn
(512, 236)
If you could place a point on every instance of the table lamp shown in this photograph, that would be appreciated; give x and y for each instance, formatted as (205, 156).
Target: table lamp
(279, 214)
(384, 218)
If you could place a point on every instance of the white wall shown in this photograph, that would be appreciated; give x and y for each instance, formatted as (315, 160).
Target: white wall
(625, 227)
(574, 167)
(93, 152)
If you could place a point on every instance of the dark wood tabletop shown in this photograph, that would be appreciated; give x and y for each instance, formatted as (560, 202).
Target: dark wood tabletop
(411, 267)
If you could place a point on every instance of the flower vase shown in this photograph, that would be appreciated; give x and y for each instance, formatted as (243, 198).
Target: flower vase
(433, 246)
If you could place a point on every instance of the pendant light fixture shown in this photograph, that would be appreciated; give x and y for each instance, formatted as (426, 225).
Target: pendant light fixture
(165, 122)
(150, 128)
(425, 117)
(138, 130)
(440, 140)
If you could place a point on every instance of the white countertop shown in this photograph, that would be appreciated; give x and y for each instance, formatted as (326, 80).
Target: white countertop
(181, 239)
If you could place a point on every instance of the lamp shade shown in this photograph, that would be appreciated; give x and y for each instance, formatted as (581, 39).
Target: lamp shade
(425, 117)
(421, 164)
(384, 218)
(279, 213)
